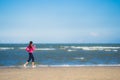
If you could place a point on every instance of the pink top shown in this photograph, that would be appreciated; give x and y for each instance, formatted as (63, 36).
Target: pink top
(30, 50)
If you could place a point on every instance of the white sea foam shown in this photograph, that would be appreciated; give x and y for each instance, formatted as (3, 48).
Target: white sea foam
(6, 48)
(70, 50)
(39, 48)
(95, 48)
(45, 49)
(65, 65)
(115, 50)
(22, 48)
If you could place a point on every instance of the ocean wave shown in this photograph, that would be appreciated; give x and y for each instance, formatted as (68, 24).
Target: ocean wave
(115, 50)
(96, 48)
(6, 48)
(70, 50)
(64, 65)
(39, 48)
(102, 65)
(45, 49)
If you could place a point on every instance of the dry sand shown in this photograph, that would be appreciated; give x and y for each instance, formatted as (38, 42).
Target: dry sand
(61, 73)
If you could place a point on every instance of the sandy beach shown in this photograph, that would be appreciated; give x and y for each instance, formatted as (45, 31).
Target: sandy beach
(61, 73)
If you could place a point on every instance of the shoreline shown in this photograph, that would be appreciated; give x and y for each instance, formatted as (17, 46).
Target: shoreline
(61, 73)
(39, 66)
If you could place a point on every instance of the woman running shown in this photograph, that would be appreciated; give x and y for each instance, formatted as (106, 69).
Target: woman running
(30, 49)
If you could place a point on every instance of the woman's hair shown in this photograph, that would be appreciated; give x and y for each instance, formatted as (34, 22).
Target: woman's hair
(30, 44)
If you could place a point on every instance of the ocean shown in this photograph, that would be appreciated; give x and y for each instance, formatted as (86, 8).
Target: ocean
(61, 55)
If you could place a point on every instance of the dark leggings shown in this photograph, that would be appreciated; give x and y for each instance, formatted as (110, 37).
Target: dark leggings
(30, 57)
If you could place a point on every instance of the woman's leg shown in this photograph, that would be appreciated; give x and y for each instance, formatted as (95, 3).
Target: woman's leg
(30, 57)
(33, 63)
(28, 60)
(25, 64)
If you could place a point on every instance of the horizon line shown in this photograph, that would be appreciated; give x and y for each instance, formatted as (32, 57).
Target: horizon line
(59, 43)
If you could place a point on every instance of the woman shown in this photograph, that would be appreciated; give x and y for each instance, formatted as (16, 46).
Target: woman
(30, 49)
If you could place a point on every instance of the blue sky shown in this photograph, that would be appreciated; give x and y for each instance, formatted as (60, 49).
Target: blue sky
(60, 21)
